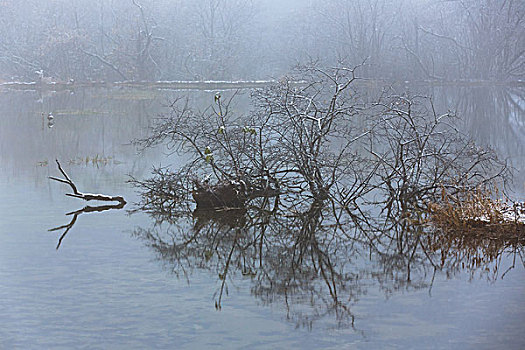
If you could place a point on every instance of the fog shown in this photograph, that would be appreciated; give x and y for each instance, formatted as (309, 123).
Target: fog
(296, 174)
(150, 40)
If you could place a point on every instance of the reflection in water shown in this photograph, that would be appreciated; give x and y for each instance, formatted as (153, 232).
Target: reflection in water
(309, 265)
(298, 259)
(314, 275)
(85, 196)
(76, 213)
(317, 252)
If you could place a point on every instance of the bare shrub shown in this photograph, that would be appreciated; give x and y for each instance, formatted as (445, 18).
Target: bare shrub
(420, 151)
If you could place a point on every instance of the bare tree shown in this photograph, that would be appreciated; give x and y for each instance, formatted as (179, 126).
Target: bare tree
(314, 142)
(313, 177)
(296, 144)
(420, 151)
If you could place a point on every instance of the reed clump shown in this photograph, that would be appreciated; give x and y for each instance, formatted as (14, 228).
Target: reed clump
(478, 213)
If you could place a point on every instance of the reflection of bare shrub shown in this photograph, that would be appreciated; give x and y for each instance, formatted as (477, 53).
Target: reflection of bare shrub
(296, 260)
(475, 250)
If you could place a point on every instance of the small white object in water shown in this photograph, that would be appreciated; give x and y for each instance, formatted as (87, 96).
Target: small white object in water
(50, 116)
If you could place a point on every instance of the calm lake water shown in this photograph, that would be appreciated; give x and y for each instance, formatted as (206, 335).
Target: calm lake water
(111, 286)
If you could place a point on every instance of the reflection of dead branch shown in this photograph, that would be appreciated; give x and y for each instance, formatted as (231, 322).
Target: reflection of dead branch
(76, 213)
(85, 196)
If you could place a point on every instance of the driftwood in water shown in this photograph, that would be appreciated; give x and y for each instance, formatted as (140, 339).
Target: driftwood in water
(224, 194)
(229, 194)
(84, 196)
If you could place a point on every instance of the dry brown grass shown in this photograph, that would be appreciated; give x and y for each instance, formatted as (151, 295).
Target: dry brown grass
(473, 230)
(476, 214)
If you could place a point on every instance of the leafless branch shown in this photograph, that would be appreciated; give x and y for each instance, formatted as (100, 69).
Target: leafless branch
(84, 196)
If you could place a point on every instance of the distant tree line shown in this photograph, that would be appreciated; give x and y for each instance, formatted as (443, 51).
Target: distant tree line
(149, 40)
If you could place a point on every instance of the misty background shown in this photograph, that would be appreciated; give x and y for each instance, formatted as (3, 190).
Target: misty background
(117, 281)
(116, 40)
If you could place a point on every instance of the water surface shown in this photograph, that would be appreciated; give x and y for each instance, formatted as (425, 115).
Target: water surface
(108, 286)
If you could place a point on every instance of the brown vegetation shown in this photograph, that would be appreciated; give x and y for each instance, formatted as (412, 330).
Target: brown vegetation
(476, 214)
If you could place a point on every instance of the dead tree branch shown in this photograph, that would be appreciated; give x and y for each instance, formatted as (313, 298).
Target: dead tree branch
(84, 196)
